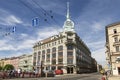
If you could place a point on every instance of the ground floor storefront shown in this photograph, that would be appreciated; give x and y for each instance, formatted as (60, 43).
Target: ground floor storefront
(67, 69)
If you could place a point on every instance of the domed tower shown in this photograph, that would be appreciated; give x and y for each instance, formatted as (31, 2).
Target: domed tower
(68, 24)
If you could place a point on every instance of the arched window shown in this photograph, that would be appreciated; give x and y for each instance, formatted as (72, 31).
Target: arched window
(60, 48)
(70, 47)
(54, 49)
(48, 50)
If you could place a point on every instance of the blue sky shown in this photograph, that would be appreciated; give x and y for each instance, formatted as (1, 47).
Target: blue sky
(90, 18)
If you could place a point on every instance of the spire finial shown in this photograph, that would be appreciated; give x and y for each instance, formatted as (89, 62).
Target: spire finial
(68, 14)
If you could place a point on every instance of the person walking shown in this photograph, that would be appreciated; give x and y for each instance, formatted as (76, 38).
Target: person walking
(19, 72)
(104, 77)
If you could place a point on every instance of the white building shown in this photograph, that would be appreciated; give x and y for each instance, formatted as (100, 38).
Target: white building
(25, 62)
(113, 47)
(63, 51)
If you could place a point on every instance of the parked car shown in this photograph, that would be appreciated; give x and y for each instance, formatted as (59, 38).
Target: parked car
(48, 73)
(58, 72)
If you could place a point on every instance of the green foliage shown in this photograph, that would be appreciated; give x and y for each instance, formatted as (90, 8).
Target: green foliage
(1, 68)
(8, 67)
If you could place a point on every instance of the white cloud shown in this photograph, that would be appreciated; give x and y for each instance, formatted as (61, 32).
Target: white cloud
(12, 20)
(100, 25)
(48, 31)
(98, 50)
(8, 19)
(99, 55)
(3, 45)
(27, 41)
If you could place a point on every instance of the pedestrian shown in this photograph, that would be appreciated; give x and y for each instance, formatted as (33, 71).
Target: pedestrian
(19, 72)
(104, 77)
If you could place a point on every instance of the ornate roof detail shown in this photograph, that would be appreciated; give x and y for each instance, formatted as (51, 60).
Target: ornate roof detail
(68, 24)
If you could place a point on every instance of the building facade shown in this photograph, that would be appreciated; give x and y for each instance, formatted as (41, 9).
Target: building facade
(64, 51)
(25, 62)
(7, 61)
(113, 47)
(2, 62)
(14, 61)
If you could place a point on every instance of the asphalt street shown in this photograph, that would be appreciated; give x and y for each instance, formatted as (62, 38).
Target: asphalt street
(91, 76)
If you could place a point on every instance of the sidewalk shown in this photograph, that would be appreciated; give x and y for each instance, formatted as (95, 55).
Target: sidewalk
(114, 78)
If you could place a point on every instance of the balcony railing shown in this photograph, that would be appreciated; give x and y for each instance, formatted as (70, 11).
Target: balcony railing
(116, 43)
(70, 42)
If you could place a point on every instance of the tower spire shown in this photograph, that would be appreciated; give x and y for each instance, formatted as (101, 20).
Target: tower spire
(68, 13)
(68, 24)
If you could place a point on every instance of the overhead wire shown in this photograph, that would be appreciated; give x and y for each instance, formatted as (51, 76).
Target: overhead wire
(33, 11)
(46, 13)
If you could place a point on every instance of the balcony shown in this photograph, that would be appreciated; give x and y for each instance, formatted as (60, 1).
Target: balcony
(116, 43)
(70, 42)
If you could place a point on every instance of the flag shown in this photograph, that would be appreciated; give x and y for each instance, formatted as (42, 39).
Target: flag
(35, 22)
(14, 29)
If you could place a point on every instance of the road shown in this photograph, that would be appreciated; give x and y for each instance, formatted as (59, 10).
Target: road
(91, 76)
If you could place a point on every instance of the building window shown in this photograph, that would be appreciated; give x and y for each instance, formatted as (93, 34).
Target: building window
(54, 55)
(117, 48)
(54, 61)
(52, 43)
(48, 56)
(55, 42)
(70, 47)
(39, 53)
(39, 47)
(35, 54)
(60, 54)
(60, 48)
(53, 67)
(43, 54)
(70, 40)
(118, 59)
(60, 60)
(49, 44)
(116, 39)
(70, 61)
(25, 61)
(48, 60)
(48, 50)
(39, 58)
(60, 67)
(115, 31)
(69, 54)
(59, 42)
(54, 49)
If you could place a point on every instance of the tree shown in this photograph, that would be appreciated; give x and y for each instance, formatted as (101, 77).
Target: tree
(1, 68)
(8, 67)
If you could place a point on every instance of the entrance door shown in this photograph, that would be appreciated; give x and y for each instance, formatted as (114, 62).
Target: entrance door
(119, 70)
(69, 70)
